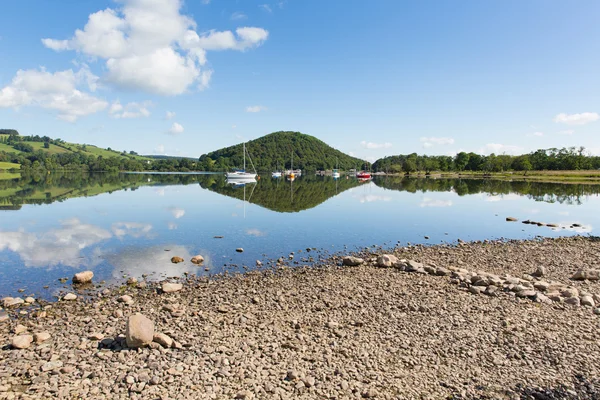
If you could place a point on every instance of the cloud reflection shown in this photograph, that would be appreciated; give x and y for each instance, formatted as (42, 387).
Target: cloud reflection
(177, 212)
(134, 229)
(56, 246)
(428, 202)
(255, 232)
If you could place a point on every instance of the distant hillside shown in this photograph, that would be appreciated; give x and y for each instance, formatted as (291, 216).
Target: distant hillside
(274, 151)
(12, 143)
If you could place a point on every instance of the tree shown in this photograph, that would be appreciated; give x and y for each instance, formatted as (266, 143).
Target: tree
(461, 160)
(46, 145)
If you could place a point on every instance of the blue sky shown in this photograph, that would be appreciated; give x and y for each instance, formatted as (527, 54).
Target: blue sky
(371, 78)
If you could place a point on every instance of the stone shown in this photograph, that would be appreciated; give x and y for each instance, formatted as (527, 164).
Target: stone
(239, 250)
(139, 331)
(541, 286)
(587, 301)
(69, 297)
(491, 290)
(169, 287)
(21, 341)
(132, 281)
(597, 311)
(11, 302)
(386, 260)
(29, 300)
(127, 299)
(526, 293)
(52, 365)
(83, 277)
(541, 298)
(352, 261)
(539, 272)
(511, 219)
(259, 263)
(197, 259)
(176, 259)
(20, 329)
(96, 336)
(163, 340)
(569, 292)
(574, 301)
(590, 275)
(475, 289)
(3, 316)
(413, 266)
(244, 395)
(41, 337)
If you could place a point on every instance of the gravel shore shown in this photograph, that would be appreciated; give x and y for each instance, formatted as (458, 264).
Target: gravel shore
(487, 320)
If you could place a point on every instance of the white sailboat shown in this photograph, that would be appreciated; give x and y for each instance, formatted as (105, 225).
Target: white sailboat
(336, 171)
(241, 174)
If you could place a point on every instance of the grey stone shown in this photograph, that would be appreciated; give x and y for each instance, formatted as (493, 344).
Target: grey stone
(70, 297)
(197, 259)
(352, 261)
(163, 340)
(169, 287)
(386, 260)
(83, 277)
(21, 341)
(139, 331)
(590, 275)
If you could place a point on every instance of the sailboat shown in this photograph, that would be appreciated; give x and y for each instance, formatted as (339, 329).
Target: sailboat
(336, 172)
(363, 175)
(290, 173)
(241, 174)
(276, 174)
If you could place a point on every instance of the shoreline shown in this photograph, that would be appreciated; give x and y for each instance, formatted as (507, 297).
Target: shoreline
(428, 330)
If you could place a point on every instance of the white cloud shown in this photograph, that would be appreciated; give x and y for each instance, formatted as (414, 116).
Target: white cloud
(177, 212)
(538, 134)
(160, 149)
(436, 141)
(149, 45)
(59, 91)
(576, 119)
(371, 145)
(497, 148)
(266, 7)
(567, 132)
(170, 115)
(130, 110)
(176, 129)
(428, 202)
(255, 109)
(172, 226)
(237, 16)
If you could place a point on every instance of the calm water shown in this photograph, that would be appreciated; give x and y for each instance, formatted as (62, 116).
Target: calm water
(132, 224)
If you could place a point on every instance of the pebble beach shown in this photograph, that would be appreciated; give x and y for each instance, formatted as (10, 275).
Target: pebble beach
(481, 320)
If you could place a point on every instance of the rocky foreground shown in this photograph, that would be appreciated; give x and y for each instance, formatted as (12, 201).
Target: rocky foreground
(479, 320)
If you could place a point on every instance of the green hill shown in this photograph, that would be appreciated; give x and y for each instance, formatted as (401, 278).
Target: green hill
(274, 151)
(56, 146)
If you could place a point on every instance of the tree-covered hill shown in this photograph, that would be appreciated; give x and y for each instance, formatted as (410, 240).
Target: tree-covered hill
(274, 151)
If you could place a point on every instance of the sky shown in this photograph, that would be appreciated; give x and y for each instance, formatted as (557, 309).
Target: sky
(370, 78)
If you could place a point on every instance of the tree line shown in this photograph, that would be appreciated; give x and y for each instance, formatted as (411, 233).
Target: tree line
(571, 158)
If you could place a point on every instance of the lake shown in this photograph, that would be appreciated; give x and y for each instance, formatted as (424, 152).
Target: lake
(122, 225)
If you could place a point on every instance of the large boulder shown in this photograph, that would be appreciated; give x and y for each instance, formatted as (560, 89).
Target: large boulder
(139, 331)
(21, 341)
(352, 261)
(386, 260)
(169, 287)
(197, 259)
(590, 275)
(83, 277)
(176, 259)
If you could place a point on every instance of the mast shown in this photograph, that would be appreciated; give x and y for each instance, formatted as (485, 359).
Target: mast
(244, 151)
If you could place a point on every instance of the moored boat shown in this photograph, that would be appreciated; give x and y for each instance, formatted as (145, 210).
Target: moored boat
(241, 173)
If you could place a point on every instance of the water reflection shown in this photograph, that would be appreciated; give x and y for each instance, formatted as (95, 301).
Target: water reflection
(132, 224)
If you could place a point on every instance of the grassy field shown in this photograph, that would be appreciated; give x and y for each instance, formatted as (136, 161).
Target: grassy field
(7, 165)
(9, 175)
(53, 149)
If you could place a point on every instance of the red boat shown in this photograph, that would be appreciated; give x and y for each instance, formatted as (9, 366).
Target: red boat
(363, 175)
